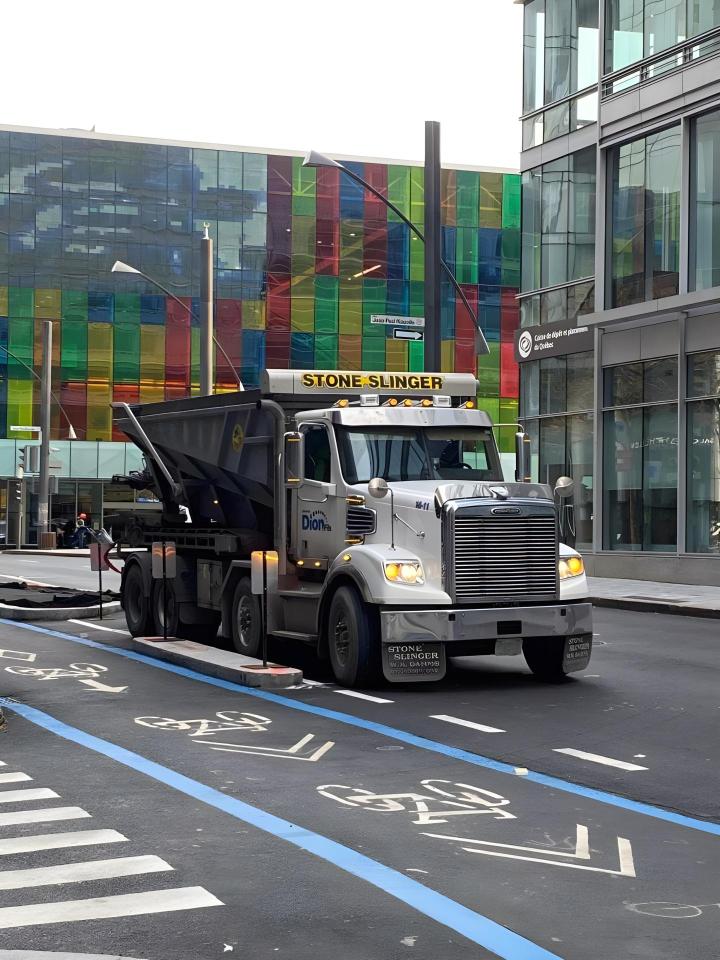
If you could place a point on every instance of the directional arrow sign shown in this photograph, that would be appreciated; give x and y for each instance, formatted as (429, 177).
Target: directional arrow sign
(103, 687)
(400, 334)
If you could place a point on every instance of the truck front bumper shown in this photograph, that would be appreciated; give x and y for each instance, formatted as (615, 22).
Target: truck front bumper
(487, 629)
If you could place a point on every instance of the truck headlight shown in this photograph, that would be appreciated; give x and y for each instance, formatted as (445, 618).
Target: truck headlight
(572, 567)
(404, 571)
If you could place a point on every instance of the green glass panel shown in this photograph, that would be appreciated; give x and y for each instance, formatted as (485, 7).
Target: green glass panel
(466, 255)
(511, 201)
(399, 190)
(126, 352)
(416, 356)
(73, 350)
(374, 300)
(417, 298)
(127, 308)
(417, 259)
(326, 352)
(302, 315)
(326, 304)
(417, 195)
(468, 198)
(20, 406)
(373, 353)
(303, 199)
(303, 246)
(508, 414)
(74, 305)
(20, 342)
(510, 264)
(195, 359)
(491, 406)
(489, 371)
(20, 302)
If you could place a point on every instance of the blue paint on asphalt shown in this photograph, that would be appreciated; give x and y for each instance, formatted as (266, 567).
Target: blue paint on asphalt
(474, 926)
(634, 806)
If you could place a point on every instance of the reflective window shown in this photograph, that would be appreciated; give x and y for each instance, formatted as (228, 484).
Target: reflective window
(703, 476)
(646, 218)
(703, 376)
(651, 381)
(560, 50)
(641, 28)
(705, 203)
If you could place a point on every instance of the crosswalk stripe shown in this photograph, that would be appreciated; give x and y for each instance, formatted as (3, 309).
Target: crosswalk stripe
(102, 908)
(13, 777)
(54, 841)
(77, 872)
(44, 815)
(17, 796)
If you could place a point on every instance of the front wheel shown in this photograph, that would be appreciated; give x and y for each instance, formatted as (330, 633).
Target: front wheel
(353, 639)
(246, 620)
(545, 657)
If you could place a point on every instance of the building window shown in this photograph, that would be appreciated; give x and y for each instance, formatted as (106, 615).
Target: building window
(641, 28)
(705, 203)
(645, 244)
(703, 453)
(640, 456)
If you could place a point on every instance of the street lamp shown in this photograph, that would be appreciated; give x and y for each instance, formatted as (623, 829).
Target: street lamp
(120, 267)
(315, 159)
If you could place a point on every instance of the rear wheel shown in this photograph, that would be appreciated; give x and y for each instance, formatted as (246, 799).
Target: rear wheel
(246, 620)
(545, 658)
(136, 604)
(353, 639)
(165, 608)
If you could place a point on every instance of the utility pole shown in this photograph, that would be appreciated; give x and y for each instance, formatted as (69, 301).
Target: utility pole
(45, 392)
(207, 379)
(433, 246)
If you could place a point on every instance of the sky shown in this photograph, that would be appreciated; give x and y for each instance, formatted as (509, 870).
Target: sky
(341, 77)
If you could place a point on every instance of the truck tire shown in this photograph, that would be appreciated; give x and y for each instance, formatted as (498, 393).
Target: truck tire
(171, 605)
(545, 658)
(136, 605)
(353, 639)
(246, 620)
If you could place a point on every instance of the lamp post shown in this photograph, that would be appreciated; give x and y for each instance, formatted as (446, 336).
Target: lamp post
(315, 159)
(207, 336)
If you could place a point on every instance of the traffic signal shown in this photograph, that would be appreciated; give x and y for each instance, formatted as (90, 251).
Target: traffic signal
(18, 490)
(28, 460)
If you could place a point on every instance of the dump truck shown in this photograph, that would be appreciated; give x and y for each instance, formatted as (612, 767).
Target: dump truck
(378, 501)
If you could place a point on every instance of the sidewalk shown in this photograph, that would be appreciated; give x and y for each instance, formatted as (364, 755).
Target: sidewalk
(648, 596)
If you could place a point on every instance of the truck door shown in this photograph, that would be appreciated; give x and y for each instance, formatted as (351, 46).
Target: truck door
(318, 526)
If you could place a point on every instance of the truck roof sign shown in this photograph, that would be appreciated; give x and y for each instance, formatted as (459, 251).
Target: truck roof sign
(357, 382)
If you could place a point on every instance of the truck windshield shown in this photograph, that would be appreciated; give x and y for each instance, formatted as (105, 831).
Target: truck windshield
(431, 453)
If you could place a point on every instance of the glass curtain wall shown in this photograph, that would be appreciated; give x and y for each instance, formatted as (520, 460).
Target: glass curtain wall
(560, 50)
(703, 453)
(645, 252)
(641, 28)
(705, 203)
(556, 404)
(640, 459)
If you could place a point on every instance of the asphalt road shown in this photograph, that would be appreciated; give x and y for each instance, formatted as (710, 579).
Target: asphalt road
(320, 823)
(58, 571)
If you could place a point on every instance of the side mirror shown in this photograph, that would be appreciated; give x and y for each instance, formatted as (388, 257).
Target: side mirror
(294, 457)
(378, 488)
(564, 486)
(522, 457)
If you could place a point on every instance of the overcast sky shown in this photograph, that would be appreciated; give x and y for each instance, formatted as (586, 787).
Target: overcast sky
(338, 76)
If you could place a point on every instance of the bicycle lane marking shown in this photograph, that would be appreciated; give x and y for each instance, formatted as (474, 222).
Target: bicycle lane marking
(433, 746)
(449, 913)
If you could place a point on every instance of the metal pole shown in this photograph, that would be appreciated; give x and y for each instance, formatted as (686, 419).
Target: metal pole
(264, 610)
(100, 597)
(164, 591)
(44, 484)
(433, 246)
(206, 315)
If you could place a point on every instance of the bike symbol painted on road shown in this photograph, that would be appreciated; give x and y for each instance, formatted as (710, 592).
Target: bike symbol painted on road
(84, 673)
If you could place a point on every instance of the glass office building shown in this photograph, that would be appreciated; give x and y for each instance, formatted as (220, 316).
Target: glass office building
(620, 277)
(303, 259)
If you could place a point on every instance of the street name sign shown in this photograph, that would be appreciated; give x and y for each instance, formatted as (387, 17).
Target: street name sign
(392, 321)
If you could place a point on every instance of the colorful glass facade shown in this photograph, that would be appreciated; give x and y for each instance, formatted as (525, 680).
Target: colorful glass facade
(303, 259)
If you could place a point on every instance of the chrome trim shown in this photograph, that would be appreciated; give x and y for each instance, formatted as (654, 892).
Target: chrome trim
(361, 521)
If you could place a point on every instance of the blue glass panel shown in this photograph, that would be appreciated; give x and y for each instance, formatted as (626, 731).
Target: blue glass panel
(253, 356)
(100, 307)
(447, 310)
(302, 350)
(398, 250)
(489, 255)
(398, 296)
(152, 308)
(489, 309)
(449, 237)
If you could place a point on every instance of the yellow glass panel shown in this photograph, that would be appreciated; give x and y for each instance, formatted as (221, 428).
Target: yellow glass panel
(447, 356)
(48, 304)
(20, 406)
(99, 411)
(349, 353)
(350, 314)
(302, 315)
(152, 363)
(100, 351)
(253, 314)
(3, 301)
(396, 355)
(491, 188)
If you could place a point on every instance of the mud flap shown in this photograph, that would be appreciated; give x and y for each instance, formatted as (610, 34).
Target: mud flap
(413, 661)
(576, 655)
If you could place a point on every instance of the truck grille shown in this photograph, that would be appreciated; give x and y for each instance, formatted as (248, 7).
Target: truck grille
(360, 521)
(504, 557)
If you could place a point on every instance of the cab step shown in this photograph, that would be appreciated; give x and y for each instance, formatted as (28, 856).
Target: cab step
(309, 638)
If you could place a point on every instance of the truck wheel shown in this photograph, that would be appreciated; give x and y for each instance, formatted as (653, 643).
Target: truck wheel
(246, 631)
(135, 604)
(169, 608)
(545, 658)
(352, 639)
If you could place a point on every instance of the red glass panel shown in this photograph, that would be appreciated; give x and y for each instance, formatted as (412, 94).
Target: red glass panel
(509, 315)
(124, 393)
(509, 372)
(177, 349)
(277, 349)
(327, 193)
(448, 192)
(279, 175)
(278, 303)
(279, 213)
(228, 332)
(327, 247)
(376, 175)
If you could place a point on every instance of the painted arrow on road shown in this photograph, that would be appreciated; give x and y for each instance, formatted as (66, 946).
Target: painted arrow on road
(582, 852)
(103, 687)
(291, 753)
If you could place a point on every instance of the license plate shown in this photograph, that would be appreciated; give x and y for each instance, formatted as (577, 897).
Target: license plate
(413, 661)
(576, 655)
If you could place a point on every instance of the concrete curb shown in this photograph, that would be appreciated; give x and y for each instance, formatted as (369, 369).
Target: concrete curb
(219, 663)
(47, 955)
(55, 613)
(656, 606)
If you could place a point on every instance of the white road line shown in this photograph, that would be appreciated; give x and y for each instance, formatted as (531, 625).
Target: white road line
(13, 777)
(314, 683)
(78, 872)
(102, 908)
(482, 727)
(46, 815)
(596, 758)
(17, 796)
(55, 841)
(96, 626)
(363, 696)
